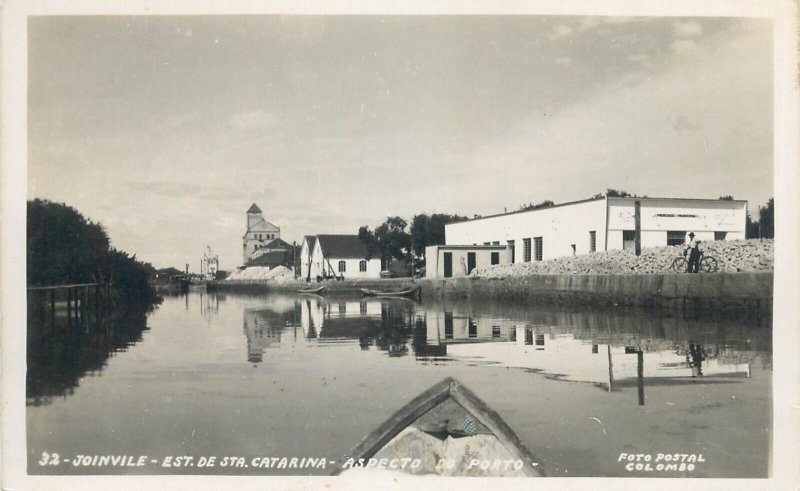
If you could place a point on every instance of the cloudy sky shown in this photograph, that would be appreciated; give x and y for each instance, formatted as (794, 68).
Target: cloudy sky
(166, 129)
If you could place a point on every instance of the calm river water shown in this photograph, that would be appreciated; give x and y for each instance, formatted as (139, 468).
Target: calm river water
(240, 378)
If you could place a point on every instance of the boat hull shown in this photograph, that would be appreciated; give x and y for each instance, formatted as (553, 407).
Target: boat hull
(408, 292)
(446, 430)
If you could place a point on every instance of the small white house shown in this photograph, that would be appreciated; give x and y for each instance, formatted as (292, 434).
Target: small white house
(326, 256)
(454, 261)
(601, 224)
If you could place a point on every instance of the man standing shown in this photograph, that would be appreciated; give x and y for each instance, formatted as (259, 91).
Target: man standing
(692, 248)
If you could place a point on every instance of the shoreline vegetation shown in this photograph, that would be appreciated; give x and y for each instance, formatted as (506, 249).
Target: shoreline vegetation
(64, 247)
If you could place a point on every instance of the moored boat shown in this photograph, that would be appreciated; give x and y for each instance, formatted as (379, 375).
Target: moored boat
(319, 290)
(446, 430)
(405, 292)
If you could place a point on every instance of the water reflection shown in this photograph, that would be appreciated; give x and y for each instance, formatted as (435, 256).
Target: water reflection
(60, 352)
(611, 351)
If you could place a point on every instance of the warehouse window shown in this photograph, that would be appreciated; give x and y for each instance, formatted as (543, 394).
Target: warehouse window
(628, 239)
(526, 250)
(593, 241)
(342, 267)
(511, 248)
(720, 235)
(496, 242)
(362, 308)
(487, 243)
(362, 266)
(495, 258)
(537, 241)
(676, 237)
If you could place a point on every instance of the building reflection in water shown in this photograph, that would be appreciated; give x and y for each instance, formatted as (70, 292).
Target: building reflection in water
(611, 352)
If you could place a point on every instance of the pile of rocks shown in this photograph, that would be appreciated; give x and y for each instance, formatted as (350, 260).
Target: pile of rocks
(278, 274)
(731, 256)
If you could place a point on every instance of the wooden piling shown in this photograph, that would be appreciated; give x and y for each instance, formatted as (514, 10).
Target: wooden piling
(640, 375)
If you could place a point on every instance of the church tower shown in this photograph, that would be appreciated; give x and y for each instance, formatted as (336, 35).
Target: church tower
(258, 235)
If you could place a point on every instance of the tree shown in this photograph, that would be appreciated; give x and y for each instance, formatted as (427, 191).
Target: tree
(727, 197)
(764, 227)
(394, 241)
(766, 219)
(429, 230)
(544, 204)
(368, 237)
(613, 193)
(64, 247)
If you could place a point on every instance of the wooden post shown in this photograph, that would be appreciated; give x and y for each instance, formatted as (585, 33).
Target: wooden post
(610, 370)
(53, 306)
(69, 304)
(640, 375)
(637, 216)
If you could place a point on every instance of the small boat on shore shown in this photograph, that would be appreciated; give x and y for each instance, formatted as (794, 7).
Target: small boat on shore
(447, 430)
(406, 292)
(319, 290)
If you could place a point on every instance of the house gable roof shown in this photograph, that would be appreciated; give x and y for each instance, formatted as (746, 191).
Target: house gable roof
(312, 241)
(342, 246)
(254, 209)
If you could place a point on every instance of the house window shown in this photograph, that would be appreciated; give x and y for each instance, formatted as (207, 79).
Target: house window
(593, 241)
(537, 248)
(362, 266)
(720, 235)
(362, 308)
(511, 248)
(628, 239)
(342, 308)
(496, 242)
(526, 250)
(487, 243)
(495, 258)
(676, 237)
(495, 331)
(342, 267)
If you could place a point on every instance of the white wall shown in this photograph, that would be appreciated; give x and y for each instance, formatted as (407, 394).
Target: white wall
(352, 268)
(434, 259)
(559, 227)
(703, 217)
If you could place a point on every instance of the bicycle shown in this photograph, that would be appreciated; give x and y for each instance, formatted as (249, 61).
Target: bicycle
(708, 264)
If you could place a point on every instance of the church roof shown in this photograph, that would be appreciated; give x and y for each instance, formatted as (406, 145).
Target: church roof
(263, 226)
(254, 209)
(342, 246)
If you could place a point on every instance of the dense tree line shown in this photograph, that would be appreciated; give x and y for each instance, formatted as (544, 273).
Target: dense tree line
(64, 247)
(396, 239)
(764, 227)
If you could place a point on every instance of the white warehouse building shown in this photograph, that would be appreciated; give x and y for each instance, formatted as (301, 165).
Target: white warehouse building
(600, 224)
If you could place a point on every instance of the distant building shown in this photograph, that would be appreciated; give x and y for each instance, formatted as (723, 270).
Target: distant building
(328, 256)
(260, 236)
(584, 227)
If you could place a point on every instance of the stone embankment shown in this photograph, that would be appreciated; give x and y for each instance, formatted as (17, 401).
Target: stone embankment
(732, 256)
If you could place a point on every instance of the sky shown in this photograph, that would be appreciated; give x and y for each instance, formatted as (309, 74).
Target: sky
(166, 128)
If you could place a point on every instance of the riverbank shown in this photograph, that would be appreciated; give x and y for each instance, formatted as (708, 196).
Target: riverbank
(730, 294)
(719, 294)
